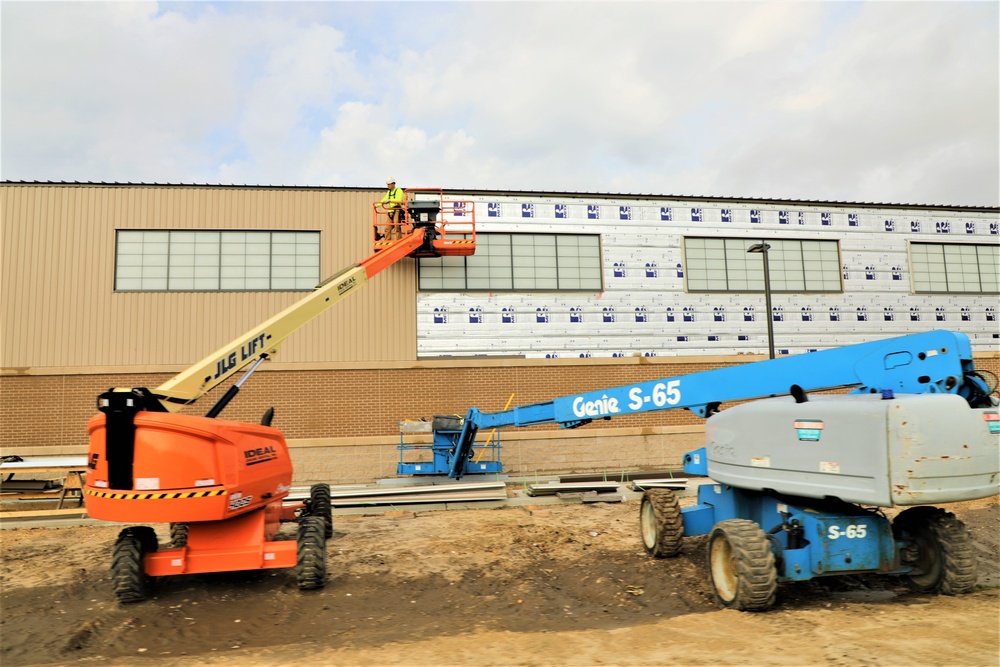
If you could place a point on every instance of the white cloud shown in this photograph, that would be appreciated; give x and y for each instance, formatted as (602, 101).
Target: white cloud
(364, 148)
(842, 101)
(895, 97)
(91, 93)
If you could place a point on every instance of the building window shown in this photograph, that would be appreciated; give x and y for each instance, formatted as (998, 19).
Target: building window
(213, 261)
(724, 265)
(519, 263)
(955, 268)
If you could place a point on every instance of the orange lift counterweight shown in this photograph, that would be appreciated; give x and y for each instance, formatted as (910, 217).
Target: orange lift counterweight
(218, 483)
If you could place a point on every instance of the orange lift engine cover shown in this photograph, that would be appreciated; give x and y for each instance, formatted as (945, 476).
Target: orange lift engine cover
(182, 468)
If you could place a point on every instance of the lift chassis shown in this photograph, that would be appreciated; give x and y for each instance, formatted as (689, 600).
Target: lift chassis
(797, 479)
(758, 540)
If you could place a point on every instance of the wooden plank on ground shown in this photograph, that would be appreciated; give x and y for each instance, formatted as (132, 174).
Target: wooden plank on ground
(603, 498)
(458, 497)
(558, 487)
(51, 494)
(27, 514)
(622, 476)
(670, 483)
(657, 485)
(45, 464)
(426, 490)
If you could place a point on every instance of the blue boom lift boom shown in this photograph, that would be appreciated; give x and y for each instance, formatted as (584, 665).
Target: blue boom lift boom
(797, 479)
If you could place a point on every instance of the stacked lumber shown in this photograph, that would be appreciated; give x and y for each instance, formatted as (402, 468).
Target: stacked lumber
(600, 484)
(623, 476)
(570, 488)
(662, 483)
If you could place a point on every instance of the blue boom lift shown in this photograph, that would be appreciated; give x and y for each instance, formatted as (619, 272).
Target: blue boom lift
(797, 480)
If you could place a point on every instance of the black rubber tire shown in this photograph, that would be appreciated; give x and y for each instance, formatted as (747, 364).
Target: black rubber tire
(741, 565)
(660, 524)
(310, 566)
(178, 535)
(321, 506)
(941, 551)
(128, 575)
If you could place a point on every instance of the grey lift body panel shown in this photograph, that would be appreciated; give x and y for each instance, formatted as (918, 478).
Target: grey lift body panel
(913, 449)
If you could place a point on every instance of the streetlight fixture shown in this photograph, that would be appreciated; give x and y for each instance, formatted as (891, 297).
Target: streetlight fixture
(762, 248)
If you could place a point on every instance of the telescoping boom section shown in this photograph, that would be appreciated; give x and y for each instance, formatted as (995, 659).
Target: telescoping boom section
(263, 341)
(930, 362)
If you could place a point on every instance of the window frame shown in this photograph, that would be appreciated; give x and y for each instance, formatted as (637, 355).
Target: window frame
(919, 278)
(495, 266)
(742, 273)
(306, 245)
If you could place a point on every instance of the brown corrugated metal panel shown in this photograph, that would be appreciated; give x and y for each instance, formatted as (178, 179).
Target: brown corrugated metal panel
(59, 307)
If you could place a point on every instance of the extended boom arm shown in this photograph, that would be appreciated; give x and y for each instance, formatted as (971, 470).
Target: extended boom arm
(931, 362)
(263, 340)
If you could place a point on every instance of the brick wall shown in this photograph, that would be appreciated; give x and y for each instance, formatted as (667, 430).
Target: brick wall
(342, 425)
(52, 411)
(525, 454)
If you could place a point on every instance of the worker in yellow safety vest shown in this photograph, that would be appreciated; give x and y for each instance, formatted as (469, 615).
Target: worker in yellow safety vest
(394, 203)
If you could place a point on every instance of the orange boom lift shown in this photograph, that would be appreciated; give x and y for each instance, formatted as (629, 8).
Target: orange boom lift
(221, 484)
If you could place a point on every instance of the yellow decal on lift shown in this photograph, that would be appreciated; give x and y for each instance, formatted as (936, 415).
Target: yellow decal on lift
(154, 496)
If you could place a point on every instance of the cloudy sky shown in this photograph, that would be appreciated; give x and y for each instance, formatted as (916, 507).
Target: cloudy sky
(867, 102)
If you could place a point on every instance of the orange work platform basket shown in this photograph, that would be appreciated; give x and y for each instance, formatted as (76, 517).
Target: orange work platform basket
(449, 224)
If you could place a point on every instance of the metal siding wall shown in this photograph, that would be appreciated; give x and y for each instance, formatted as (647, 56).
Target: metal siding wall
(59, 308)
(54, 261)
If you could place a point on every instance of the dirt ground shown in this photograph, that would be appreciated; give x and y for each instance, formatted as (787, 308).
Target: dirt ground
(568, 585)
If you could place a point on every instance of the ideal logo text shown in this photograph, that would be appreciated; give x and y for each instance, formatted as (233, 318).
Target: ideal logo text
(347, 285)
(259, 455)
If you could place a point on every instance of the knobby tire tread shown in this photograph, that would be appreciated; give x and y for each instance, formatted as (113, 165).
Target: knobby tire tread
(129, 579)
(959, 566)
(178, 535)
(757, 580)
(320, 504)
(670, 524)
(311, 553)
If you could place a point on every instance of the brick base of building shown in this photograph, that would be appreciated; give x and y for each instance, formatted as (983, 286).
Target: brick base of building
(608, 451)
(343, 423)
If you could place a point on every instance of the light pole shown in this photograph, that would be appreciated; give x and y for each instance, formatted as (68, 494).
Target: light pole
(762, 248)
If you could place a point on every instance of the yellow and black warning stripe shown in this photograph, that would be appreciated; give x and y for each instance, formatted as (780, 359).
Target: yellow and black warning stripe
(155, 496)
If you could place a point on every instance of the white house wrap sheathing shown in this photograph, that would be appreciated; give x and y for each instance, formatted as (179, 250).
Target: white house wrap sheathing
(645, 310)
